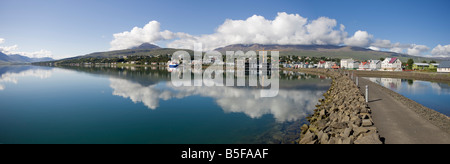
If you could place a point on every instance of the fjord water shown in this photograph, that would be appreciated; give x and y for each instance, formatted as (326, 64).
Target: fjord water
(140, 105)
(433, 95)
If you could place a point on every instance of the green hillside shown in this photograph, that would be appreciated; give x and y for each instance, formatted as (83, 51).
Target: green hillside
(150, 53)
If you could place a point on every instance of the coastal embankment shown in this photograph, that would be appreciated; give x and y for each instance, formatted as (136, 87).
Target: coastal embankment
(342, 117)
(403, 121)
(396, 119)
(414, 75)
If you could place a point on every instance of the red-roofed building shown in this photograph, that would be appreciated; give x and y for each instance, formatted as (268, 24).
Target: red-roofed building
(391, 64)
(335, 66)
(364, 66)
(321, 64)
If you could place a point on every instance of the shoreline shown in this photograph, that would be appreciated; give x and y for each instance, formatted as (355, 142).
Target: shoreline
(425, 76)
(434, 117)
(439, 120)
(342, 117)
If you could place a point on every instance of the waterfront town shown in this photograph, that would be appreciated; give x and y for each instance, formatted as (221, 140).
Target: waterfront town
(296, 62)
(387, 64)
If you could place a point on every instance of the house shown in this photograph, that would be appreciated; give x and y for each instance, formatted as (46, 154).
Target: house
(335, 66)
(422, 66)
(444, 66)
(353, 65)
(375, 65)
(329, 64)
(345, 62)
(391, 64)
(364, 66)
(321, 64)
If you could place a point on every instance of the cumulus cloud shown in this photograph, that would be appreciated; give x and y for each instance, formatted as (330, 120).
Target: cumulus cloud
(284, 29)
(8, 49)
(410, 49)
(396, 49)
(374, 48)
(382, 43)
(12, 50)
(360, 39)
(150, 33)
(417, 50)
(441, 51)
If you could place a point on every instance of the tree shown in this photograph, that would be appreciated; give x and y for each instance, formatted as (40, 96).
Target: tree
(424, 61)
(410, 63)
(432, 61)
(382, 59)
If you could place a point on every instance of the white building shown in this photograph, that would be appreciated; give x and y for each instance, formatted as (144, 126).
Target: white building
(444, 66)
(345, 62)
(375, 64)
(353, 65)
(321, 64)
(364, 66)
(329, 64)
(391, 64)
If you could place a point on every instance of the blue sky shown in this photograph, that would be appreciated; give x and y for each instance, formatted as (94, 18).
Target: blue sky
(78, 27)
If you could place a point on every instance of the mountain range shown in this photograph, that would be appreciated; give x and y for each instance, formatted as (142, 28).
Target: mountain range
(20, 59)
(332, 51)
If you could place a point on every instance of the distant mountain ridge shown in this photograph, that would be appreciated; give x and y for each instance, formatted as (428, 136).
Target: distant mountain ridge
(146, 46)
(20, 59)
(333, 51)
(253, 47)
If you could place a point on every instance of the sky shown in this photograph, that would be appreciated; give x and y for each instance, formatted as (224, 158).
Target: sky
(65, 28)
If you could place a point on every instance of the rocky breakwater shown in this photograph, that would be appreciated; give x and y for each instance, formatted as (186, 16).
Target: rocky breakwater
(342, 117)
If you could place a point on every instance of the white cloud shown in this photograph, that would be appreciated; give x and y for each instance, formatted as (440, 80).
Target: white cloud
(360, 39)
(374, 48)
(410, 49)
(36, 54)
(12, 50)
(289, 105)
(441, 51)
(2, 40)
(396, 49)
(284, 29)
(150, 33)
(417, 50)
(382, 43)
(7, 49)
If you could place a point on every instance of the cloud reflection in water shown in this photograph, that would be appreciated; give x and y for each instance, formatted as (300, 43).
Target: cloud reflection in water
(289, 105)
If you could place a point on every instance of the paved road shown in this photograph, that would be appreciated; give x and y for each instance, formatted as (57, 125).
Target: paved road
(397, 123)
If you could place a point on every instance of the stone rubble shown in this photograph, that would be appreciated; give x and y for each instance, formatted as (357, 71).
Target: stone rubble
(342, 117)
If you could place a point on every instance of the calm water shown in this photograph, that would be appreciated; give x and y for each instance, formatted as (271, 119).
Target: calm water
(430, 94)
(140, 105)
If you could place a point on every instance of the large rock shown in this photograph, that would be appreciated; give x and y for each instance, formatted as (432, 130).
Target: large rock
(359, 130)
(342, 117)
(366, 123)
(307, 138)
(371, 138)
